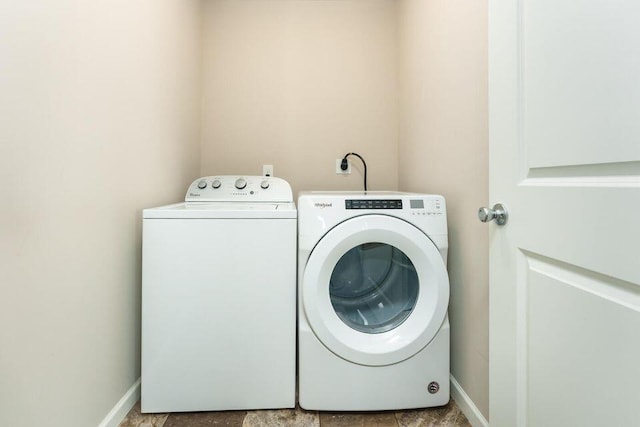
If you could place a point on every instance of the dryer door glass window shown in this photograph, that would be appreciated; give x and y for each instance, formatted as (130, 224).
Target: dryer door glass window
(374, 287)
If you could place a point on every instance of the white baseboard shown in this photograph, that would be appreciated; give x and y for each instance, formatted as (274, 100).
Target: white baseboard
(124, 405)
(466, 405)
(122, 408)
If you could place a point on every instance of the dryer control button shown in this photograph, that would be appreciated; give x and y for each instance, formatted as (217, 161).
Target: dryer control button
(241, 183)
(264, 184)
(216, 183)
(202, 184)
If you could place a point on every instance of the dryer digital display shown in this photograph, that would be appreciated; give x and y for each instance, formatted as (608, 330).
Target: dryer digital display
(373, 204)
(416, 203)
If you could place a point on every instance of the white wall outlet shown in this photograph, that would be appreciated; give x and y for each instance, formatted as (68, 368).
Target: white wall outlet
(267, 170)
(339, 171)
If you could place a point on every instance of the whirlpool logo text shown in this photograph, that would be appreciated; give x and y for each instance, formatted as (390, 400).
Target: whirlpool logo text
(322, 205)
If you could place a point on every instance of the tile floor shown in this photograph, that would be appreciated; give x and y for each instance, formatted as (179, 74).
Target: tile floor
(449, 416)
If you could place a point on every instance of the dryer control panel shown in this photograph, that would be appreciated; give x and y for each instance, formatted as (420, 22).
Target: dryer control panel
(427, 206)
(417, 206)
(235, 188)
(373, 204)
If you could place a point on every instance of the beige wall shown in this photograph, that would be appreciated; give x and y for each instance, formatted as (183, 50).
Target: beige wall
(99, 118)
(443, 148)
(298, 84)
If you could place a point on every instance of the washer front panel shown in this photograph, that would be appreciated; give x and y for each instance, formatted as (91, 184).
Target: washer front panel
(218, 303)
(404, 340)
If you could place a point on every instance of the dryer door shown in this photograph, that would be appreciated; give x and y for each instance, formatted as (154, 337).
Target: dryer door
(375, 290)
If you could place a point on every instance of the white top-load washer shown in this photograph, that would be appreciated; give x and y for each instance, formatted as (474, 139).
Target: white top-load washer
(218, 298)
(373, 294)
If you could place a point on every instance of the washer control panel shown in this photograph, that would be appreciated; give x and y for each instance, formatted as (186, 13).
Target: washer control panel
(234, 188)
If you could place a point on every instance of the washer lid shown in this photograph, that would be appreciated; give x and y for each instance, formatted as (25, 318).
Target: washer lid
(380, 308)
(239, 210)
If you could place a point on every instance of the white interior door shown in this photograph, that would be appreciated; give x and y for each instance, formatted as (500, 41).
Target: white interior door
(565, 160)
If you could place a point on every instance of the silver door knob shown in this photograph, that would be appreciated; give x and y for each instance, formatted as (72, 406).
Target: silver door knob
(499, 213)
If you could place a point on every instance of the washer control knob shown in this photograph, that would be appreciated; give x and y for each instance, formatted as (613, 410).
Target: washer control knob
(216, 183)
(202, 184)
(241, 183)
(264, 184)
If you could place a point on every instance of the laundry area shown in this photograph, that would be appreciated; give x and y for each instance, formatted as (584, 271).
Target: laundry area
(116, 108)
(265, 212)
(219, 302)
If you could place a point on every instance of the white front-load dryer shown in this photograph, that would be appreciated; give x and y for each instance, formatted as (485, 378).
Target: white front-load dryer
(373, 294)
